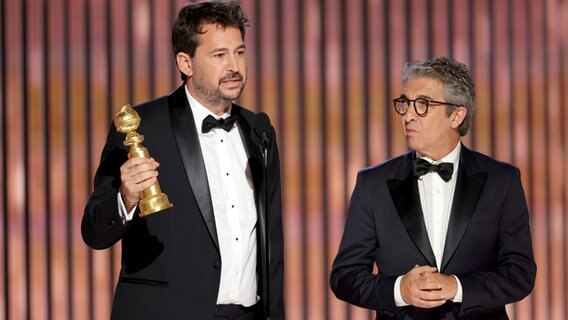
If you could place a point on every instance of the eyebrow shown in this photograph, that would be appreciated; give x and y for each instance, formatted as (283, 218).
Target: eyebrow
(420, 96)
(425, 97)
(223, 49)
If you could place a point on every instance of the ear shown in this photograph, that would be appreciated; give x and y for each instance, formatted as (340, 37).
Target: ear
(184, 64)
(458, 116)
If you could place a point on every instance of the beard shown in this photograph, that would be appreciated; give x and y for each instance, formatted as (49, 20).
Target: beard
(214, 93)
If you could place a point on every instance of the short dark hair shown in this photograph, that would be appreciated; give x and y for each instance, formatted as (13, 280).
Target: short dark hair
(457, 81)
(192, 17)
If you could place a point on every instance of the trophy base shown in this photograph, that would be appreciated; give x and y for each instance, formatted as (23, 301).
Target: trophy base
(154, 204)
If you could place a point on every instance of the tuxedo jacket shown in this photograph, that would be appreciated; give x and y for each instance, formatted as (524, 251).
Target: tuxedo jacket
(488, 244)
(171, 262)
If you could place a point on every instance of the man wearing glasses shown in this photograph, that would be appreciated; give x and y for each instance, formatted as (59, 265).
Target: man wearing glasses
(447, 227)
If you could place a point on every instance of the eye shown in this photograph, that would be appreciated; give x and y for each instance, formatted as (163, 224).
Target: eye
(219, 55)
(422, 101)
(401, 101)
(240, 52)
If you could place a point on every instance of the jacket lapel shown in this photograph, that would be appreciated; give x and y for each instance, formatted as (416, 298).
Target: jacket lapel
(187, 140)
(406, 198)
(252, 150)
(255, 162)
(469, 185)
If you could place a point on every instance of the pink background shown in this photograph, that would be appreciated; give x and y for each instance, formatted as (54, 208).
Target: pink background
(325, 71)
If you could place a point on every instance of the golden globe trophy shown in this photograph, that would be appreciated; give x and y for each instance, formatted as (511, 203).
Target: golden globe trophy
(126, 120)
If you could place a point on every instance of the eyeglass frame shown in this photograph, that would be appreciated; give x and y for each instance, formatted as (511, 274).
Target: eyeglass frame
(428, 102)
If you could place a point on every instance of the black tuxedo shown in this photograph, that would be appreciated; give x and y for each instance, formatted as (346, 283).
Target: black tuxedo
(488, 244)
(170, 260)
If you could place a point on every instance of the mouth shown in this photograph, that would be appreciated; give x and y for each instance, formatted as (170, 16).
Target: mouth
(409, 131)
(233, 77)
(232, 83)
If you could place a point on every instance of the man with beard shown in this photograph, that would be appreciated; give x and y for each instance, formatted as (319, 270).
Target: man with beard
(205, 257)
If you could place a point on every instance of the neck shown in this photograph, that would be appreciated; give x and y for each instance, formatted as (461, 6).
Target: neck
(439, 154)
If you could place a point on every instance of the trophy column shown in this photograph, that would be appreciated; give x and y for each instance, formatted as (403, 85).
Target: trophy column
(126, 120)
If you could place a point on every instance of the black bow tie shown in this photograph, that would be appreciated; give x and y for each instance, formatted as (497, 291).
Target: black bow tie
(444, 169)
(210, 122)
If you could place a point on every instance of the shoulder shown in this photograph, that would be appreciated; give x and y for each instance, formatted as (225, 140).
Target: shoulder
(483, 162)
(152, 107)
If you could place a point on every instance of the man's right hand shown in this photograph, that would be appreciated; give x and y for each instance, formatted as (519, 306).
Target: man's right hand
(137, 175)
(420, 291)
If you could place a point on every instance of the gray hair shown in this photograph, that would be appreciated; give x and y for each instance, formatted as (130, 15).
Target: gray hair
(458, 85)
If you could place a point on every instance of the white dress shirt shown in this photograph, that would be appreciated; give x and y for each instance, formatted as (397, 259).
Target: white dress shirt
(234, 208)
(436, 197)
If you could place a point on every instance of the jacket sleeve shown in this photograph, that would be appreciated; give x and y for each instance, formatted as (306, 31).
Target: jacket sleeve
(102, 226)
(276, 232)
(352, 278)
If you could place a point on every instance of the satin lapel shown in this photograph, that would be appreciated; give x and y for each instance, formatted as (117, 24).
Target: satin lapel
(466, 196)
(188, 144)
(406, 199)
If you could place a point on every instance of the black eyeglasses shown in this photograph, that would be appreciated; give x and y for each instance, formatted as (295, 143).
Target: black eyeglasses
(421, 105)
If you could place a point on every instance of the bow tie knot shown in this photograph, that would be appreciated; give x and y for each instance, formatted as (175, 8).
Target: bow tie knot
(444, 169)
(210, 122)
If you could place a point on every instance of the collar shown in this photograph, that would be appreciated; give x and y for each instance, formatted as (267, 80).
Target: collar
(452, 157)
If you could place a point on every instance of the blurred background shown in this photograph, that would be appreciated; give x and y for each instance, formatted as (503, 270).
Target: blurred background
(325, 71)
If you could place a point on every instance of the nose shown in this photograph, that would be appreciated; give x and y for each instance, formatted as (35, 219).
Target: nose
(233, 63)
(410, 114)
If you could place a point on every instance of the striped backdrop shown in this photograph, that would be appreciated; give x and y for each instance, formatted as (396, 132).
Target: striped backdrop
(324, 70)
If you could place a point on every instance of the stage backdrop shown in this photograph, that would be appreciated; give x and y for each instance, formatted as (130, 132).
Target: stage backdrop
(324, 70)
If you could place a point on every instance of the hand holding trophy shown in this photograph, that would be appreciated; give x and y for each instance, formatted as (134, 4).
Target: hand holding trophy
(126, 120)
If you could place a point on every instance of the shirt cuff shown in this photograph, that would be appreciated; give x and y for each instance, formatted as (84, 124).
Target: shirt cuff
(398, 301)
(125, 216)
(459, 294)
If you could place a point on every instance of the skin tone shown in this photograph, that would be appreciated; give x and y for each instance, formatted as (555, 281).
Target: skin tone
(216, 75)
(434, 135)
(217, 72)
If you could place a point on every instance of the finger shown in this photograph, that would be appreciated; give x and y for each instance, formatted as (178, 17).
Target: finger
(141, 177)
(133, 172)
(431, 295)
(132, 190)
(429, 285)
(425, 299)
(146, 183)
(424, 269)
(429, 304)
(139, 162)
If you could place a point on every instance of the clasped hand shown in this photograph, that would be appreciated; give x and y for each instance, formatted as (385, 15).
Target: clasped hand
(425, 287)
(137, 175)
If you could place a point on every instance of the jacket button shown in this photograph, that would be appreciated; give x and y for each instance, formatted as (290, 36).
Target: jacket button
(217, 264)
